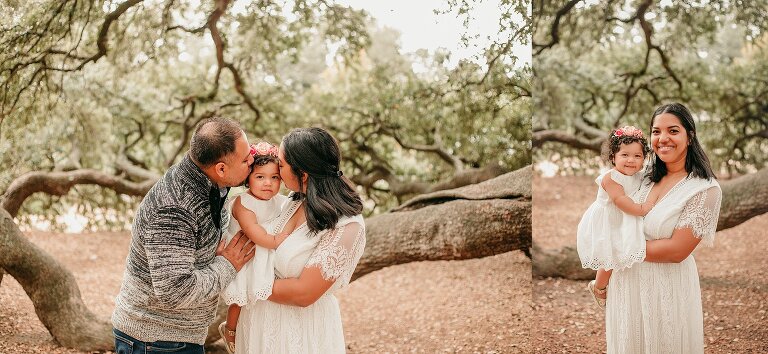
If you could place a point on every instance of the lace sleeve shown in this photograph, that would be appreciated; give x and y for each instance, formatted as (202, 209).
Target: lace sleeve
(338, 252)
(701, 213)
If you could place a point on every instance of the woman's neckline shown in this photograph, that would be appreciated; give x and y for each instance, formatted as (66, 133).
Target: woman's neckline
(668, 192)
(294, 209)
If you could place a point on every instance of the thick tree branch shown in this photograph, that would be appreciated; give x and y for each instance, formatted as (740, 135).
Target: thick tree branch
(59, 183)
(435, 228)
(743, 198)
(542, 136)
(101, 41)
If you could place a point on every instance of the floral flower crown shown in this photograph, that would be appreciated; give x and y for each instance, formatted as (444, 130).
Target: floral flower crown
(628, 130)
(264, 149)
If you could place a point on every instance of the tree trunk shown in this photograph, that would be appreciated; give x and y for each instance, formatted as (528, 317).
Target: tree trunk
(53, 291)
(743, 198)
(455, 230)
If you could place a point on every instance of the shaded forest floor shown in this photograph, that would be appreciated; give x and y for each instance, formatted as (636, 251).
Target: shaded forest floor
(473, 306)
(733, 274)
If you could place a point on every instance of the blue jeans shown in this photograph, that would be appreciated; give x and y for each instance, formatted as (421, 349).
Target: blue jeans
(125, 344)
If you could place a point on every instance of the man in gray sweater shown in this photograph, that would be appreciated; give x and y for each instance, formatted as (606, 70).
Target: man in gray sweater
(178, 264)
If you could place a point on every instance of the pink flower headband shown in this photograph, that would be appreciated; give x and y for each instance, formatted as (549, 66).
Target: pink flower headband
(264, 149)
(628, 131)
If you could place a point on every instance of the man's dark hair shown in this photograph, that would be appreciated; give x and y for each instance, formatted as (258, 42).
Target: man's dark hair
(213, 139)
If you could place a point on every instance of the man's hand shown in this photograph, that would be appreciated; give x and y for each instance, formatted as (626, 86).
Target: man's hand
(238, 251)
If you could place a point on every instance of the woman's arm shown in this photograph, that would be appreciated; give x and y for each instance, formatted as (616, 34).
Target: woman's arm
(621, 200)
(345, 246)
(249, 223)
(672, 250)
(697, 222)
(302, 291)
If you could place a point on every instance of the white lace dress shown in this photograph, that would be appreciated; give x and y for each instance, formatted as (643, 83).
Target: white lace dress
(254, 281)
(656, 307)
(606, 237)
(268, 327)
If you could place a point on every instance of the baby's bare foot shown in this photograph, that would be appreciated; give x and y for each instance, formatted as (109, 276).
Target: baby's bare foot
(599, 295)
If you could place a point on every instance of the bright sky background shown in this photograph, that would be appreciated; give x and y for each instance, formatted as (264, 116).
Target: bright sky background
(421, 28)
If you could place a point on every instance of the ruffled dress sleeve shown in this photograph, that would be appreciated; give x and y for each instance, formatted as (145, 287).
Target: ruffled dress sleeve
(339, 251)
(700, 214)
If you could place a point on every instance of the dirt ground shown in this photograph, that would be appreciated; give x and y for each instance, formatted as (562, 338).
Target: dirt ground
(473, 306)
(733, 273)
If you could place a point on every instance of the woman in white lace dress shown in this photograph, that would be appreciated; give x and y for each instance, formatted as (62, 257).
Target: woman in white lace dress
(326, 241)
(655, 306)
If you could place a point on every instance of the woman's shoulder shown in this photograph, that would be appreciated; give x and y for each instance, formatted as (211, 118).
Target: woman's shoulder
(702, 183)
(346, 220)
(281, 199)
(698, 185)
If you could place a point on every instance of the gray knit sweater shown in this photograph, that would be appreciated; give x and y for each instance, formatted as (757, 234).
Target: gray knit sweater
(173, 277)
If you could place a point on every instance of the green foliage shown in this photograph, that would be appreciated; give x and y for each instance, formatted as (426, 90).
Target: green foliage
(601, 67)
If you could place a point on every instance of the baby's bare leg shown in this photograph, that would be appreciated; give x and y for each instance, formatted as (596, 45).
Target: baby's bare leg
(227, 329)
(233, 314)
(601, 280)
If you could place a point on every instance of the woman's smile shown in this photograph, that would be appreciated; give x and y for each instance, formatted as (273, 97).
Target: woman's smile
(664, 148)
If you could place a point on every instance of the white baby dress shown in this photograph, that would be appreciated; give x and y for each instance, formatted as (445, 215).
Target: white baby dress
(608, 238)
(254, 281)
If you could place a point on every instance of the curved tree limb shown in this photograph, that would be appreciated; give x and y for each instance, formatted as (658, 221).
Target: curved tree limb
(402, 188)
(41, 59)
(218, 41)
(59, 183)
(554, 30)
(436, 148)
(542, 136)
(743, 198)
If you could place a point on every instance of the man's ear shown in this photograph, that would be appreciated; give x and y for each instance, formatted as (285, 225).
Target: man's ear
(220, 169)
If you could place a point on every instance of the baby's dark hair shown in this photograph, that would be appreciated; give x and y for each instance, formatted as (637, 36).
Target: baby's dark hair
(626, 135)
(261, 160)
(263, 153)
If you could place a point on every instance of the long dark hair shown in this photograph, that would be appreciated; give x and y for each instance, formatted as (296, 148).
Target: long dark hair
(329, 194)
(696, 161)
